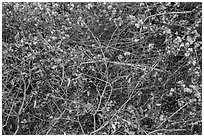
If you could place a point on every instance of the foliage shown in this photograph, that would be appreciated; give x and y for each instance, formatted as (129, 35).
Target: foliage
(102, 68)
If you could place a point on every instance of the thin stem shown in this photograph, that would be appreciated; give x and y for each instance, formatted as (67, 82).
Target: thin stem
(172, 115)
(165, 13)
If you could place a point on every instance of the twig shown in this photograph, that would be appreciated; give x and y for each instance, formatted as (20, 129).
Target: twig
(98, 42)
(49, 45)
(94, 117)
(172, 115)
(125, 64)
(111, 91)
(56, 120)
(111, 38)
(97, 78)
(9, 114)
(174, 74)
(185, 12)
(105, 124)
(167, 130)
(82, 129)
(101, 97)
(21, 108)
(62, 75)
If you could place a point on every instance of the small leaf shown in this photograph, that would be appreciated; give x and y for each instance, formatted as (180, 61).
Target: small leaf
(54, 67)
(113, 126)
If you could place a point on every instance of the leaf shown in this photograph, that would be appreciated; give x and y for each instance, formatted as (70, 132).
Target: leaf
(54, 67)
(113, 126)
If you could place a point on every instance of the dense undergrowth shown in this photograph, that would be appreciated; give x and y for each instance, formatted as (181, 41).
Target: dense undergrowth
(102, 68)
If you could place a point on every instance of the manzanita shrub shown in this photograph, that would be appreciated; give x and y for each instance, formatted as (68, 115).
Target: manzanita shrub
(101, 68)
